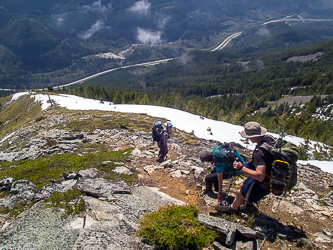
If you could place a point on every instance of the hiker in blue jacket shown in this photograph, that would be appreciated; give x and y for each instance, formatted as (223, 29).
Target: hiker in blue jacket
(163, 142)
(221, 168)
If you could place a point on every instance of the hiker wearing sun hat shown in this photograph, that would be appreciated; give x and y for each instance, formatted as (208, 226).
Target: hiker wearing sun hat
(258, 171)
(253, 129)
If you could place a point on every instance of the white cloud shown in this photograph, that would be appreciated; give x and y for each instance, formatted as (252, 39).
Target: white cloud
(59, 19)
(149, 37)
(97, 7)
(262, 32)
(90, 32)
(140, 7)
(162, 21)
(185, 58)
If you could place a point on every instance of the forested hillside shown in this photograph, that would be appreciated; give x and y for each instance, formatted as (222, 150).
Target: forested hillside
(237, 88)
(54, 43)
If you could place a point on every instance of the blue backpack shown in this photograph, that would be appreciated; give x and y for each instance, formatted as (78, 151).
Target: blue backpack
(225, 154)
(157, 131)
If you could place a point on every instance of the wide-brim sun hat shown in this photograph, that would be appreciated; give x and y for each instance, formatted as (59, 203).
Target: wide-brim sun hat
(253, 129)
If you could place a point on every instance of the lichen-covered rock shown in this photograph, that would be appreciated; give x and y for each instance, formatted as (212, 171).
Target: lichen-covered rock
(39, 228)
(99, 187)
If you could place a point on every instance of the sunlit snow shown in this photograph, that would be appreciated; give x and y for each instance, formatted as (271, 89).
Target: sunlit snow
(202, 128)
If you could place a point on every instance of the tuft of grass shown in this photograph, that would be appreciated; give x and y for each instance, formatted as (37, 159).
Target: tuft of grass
(175, 227)
(4, 194)
(17, 208)
(70, 201)
(39, 171)
(108, 122)
(319, 189)
(38, 119)
(250, 221)
(188, 141)
(50, 143)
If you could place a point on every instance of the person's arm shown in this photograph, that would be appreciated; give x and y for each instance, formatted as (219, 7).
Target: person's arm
(220, 178)
(258, 174)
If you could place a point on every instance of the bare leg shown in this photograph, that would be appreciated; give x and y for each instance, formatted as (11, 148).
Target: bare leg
(238, 200)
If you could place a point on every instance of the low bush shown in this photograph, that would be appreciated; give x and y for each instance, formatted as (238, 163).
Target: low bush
(50, 143)
(38, 119)
(175, 227)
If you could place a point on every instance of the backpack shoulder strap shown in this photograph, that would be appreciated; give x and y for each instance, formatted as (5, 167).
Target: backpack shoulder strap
(269, 143)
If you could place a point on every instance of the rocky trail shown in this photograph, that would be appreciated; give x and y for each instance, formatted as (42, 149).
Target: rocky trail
(300, 220)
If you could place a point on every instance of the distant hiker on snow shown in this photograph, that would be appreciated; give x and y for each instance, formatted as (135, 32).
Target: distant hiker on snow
(222, 156)
(161, 136)
(254, 187)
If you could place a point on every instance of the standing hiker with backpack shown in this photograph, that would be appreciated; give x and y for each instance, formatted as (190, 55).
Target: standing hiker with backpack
(161, 136)
(256, 186)
(222, 157)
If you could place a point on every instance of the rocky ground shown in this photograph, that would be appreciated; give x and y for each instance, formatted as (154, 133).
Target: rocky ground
(300, 220)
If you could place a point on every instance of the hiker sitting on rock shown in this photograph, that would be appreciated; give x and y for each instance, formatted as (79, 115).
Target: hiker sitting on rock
(162, 142)
(255, 186)
(222, 157)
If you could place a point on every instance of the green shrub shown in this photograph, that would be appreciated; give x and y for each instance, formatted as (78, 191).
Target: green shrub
(50, 143)
(38, 119)
(175, 227)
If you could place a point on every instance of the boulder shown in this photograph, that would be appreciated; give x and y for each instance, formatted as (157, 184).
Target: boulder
(99, 187)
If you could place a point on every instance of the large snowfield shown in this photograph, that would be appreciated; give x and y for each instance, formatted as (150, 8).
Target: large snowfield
(202, 127)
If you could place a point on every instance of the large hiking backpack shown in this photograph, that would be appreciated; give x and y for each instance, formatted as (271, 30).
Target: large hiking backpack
(284, 167)
(157, 131)
(225, 154)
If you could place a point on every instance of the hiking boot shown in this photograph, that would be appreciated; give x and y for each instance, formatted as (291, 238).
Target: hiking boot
(160, 160)
(207, 190)
(248, 208)
(226, 209)
(204, 192)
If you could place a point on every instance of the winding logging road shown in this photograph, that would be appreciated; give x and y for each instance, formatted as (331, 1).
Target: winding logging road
(219, 47)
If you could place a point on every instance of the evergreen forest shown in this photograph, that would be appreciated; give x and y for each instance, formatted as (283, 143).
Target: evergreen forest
(54, 43)
(287, 91)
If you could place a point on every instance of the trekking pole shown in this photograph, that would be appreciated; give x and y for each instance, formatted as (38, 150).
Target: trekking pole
(278, 142)
(232, 178)
(231, 182)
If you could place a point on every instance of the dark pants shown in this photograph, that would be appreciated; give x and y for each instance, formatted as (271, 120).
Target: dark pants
(162, 153)
(212, 180)
(255, 193)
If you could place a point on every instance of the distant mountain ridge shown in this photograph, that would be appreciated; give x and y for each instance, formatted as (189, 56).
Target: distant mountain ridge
(43, 37)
